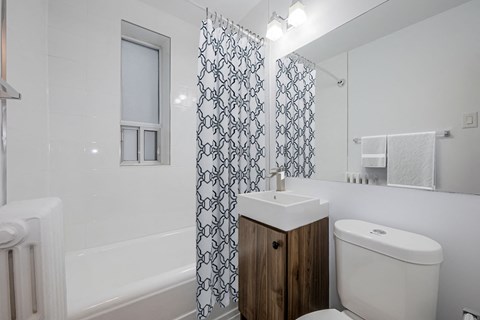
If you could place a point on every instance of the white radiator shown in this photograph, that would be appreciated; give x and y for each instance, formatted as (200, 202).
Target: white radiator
(32, 261)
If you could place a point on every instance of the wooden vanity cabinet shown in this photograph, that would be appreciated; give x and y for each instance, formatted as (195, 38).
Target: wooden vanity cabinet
(282, 275)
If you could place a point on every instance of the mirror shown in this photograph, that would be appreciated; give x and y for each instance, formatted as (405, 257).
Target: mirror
(389, 98)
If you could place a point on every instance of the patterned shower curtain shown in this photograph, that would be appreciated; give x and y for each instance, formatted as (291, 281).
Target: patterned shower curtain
(231, 155)
(295, 117)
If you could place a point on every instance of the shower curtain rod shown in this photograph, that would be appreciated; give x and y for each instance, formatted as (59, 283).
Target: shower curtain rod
(229, 23)
(295, 55)
(340, 82)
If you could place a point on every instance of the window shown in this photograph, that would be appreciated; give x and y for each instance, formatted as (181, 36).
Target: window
(145, 123)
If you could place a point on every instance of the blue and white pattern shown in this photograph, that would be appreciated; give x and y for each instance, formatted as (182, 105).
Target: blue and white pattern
(231, 155)
(295, 118)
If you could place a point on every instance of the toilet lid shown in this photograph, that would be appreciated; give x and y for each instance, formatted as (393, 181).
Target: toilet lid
(329, 314)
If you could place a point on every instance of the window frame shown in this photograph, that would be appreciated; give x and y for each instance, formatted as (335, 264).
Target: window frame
(153, 40)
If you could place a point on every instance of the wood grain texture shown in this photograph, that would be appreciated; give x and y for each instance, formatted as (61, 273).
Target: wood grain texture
(247, 268)
(308, 263)
(287, 282)
(276, 275)
(262, 272)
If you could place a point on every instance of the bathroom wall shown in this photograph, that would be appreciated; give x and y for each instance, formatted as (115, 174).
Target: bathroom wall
(451, 219)
(103, 201)
(27, 129)
(63, 136)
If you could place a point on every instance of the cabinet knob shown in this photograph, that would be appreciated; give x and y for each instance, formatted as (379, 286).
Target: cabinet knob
(275, 245)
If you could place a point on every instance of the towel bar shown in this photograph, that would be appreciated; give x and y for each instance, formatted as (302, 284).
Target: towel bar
(440, 134)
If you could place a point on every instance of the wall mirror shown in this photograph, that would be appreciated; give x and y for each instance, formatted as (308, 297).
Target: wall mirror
(389, 98)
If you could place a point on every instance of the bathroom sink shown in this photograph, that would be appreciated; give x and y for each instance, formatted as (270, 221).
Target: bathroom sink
(283, 210)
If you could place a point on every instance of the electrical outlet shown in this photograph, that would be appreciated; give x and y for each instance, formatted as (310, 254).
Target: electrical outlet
(470, 120)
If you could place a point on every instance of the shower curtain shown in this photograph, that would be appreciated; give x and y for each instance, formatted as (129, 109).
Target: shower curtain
(295, 117)
(231, 155)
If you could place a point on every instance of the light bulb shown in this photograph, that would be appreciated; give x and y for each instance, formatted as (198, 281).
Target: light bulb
(297, 14)
(274, 28)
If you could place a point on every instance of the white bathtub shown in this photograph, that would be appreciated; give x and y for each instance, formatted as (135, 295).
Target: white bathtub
(150, 278)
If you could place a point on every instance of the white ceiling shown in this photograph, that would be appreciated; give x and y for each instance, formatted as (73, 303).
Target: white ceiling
(183, 9)
(389, 17)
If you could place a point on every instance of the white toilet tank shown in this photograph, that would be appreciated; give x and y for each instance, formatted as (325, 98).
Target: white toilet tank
(385, 273)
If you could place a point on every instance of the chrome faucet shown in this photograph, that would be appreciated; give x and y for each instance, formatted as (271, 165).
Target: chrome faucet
(280, 174)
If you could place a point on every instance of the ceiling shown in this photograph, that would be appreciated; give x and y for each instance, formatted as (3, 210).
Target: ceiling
(389, 17)
(185, 10)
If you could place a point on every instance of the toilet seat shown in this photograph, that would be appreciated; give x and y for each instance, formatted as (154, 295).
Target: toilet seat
(329, 314)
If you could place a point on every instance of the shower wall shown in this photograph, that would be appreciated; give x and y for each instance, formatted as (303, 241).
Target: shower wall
(64, 135)
(105, 202)
(27, 129)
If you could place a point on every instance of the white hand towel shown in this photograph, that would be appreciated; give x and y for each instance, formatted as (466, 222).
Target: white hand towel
(374, 150)
(411, 160)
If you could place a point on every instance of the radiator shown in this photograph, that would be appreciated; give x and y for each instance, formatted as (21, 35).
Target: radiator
(32, 261)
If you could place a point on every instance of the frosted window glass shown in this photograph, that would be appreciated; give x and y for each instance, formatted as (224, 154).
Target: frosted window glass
(150, 145)
(129, 144)
(140, 86)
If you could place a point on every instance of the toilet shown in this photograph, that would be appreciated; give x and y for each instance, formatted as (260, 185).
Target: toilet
(383, 274)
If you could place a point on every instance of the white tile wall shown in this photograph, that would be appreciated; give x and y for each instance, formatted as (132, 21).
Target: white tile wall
(104, 202)
(27, 154)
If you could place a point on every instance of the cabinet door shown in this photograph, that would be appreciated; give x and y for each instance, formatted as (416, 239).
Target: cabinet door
(276, 275)
(308, 269)
(251, 249)
(262, 271)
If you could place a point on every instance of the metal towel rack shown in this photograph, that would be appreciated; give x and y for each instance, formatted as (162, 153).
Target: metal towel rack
(439, 134)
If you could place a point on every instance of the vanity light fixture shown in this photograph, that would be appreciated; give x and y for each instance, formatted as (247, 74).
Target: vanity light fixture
(274, 28)
(296, 13)
(296, 17)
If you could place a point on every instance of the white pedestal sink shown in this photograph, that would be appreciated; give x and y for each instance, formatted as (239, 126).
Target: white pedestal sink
(282, 210)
